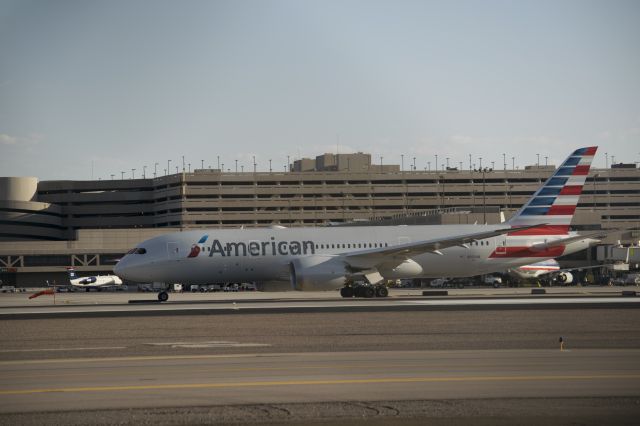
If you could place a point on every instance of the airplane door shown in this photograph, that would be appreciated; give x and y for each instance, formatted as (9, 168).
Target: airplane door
(173, 250)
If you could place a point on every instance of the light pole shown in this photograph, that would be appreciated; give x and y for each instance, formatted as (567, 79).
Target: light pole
(236, 166)
(121, 175)
(546, 160)
(538, 161)
(504, 161)
(513, 163)
(144, 172)
(202, 164)
(112, 176)
(606, 160)
(414, 164)
(270, 165)
(470, 163)
(155, 169)
(254, 164)
(484, 198)
(480, 158)
(189, 167)
(168, 166)
(402, 162)
(436, 162)
(595, 192)
(218, 162)
(447, 163)
(429, 165)
(183, 164)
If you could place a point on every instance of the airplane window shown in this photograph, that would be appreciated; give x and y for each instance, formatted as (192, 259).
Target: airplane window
(348, 245)
(386, 244)
(140, 250)
(343, 245)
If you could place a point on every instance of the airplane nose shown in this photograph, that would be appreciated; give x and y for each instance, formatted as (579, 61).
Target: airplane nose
(118, 269)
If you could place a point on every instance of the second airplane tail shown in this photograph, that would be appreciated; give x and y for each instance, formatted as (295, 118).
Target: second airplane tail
(554, 204)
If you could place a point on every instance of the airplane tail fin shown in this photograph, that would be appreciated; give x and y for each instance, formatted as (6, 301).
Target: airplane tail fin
(554, 204)
(72, 274)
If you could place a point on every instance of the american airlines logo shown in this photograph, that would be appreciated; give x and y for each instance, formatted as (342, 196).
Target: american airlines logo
(195, 249)
(262, 248)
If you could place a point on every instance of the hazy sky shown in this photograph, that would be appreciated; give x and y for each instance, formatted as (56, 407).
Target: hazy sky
(123, 84)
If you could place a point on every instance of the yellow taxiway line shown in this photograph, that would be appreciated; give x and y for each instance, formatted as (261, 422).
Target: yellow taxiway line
(321, 382)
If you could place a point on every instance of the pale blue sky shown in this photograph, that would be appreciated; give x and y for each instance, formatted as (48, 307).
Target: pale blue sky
(123, 84)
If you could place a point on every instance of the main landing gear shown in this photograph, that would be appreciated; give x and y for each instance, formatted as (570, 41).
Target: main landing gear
(163, 296)
(364, 290)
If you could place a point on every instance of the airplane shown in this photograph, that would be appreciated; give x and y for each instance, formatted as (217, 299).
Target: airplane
(97, 282)
(549, 269)
(328, 258)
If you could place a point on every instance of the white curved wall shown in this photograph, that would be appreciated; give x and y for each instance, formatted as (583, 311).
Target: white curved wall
(18, 188)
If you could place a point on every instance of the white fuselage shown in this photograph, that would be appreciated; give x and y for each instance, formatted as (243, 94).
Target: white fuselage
(264, 255)
(98, 281)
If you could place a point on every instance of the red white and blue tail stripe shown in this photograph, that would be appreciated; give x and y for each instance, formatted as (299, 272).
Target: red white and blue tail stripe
(554, 204)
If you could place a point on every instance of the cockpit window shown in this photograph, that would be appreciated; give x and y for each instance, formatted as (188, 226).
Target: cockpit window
(137, 250)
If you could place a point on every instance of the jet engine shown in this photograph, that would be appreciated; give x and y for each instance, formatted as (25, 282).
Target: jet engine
(408, 268)
(318, 273)
(564, 278)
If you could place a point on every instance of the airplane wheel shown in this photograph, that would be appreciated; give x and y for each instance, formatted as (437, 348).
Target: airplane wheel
(382, 291)
(346, 292)
(163, 296)
(368, 292)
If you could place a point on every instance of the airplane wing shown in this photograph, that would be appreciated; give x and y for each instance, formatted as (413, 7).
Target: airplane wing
(399, 253)
(565, 241)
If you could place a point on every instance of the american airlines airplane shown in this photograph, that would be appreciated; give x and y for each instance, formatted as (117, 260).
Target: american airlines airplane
(326, 258)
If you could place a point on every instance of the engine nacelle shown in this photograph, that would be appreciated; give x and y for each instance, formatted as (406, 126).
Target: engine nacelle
(565, 277)
(407, 269)
(316, 273)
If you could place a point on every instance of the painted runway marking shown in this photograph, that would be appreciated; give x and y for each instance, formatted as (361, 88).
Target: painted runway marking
(524, 301)
(321, 382)
(213, 344)
(126, 359)
(99, 348)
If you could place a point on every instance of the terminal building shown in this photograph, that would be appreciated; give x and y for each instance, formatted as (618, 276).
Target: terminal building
(48, 226)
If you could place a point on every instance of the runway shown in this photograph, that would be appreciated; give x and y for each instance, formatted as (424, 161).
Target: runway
(145, 304)
(489, 366)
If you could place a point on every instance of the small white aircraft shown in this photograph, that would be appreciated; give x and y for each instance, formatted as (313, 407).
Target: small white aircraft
(327, 258)
(97, 282)
(549, 269)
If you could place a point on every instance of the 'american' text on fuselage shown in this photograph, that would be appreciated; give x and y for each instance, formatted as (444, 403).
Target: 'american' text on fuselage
(262, 248)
